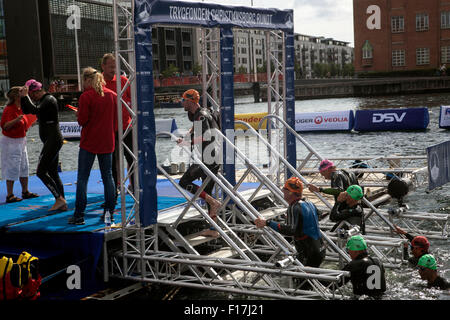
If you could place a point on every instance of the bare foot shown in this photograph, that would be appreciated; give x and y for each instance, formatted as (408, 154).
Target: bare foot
(210, 233)
(214, 206)
(60, 204)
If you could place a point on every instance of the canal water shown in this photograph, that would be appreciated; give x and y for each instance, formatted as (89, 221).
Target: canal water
(402, 284)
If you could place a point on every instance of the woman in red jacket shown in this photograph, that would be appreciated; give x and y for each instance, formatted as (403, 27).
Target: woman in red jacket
(14, 157)
(97, 115)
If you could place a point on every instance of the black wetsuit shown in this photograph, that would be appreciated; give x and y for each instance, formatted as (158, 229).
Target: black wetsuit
(353, 215)
(195, 172)
(364, 271)
(340, 181)
(47, 114)
(440, 283)
(311, 252)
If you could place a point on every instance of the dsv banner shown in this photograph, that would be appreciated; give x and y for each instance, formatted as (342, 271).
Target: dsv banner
(392, 119)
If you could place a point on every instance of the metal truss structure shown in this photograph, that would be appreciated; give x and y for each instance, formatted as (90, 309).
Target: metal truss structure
(244, 259)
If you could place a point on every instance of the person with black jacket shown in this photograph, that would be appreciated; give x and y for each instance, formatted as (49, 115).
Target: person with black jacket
(340, 179)
(367, 274)
(419, 246)
(202, 118)
(302, 223)
(428, 271)
(349, 209)
(46, 110)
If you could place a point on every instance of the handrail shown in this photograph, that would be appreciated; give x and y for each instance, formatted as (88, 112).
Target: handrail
(298, 175)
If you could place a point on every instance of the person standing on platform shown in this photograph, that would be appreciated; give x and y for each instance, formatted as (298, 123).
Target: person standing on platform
(302, 223)
(14, 159)
(46, 111)
(427, 267)
(340, 179)
(367, 274)
(207, 122)
(97, 115)
(109, 74)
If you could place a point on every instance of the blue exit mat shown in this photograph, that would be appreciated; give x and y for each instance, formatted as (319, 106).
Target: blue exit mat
(32, 215)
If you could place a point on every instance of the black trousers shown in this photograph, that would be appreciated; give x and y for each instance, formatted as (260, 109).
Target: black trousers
(195, 172)
(47, 169)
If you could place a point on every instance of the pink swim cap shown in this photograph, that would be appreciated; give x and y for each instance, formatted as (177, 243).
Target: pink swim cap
(325, 164)
(33, 85)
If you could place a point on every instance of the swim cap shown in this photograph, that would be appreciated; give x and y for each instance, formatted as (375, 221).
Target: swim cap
(325, 164)
(427, 261)
(355, 192)
(33, 85)
(191, 95)
(294, 184)
(356, 243)
(421, 242)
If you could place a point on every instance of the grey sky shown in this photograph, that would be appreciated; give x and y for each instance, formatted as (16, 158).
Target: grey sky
(327, 18)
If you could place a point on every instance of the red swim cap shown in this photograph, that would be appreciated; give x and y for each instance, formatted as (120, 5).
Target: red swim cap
(421, 242)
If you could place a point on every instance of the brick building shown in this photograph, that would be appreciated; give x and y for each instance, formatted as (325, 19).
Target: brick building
(400, 35)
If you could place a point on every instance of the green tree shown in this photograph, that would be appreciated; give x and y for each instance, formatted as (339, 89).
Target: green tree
(197, 69)
(170, 71)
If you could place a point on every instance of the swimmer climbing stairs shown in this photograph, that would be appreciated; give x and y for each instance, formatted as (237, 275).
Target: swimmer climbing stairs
(243, 259)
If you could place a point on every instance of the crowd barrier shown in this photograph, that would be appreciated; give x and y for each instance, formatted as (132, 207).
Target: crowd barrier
(444, 117)
(391, 119)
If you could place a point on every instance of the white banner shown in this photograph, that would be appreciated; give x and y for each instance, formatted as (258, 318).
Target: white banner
(444, 118)
(324, 121)
(70, 130)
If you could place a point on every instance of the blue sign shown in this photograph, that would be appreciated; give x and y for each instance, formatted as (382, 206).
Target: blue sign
(438, 165)
(212, 15)
(392, 119)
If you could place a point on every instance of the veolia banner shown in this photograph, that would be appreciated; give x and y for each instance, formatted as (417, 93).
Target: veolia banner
(444, 117)
(324, 121)
(212, 15)
(438, 165)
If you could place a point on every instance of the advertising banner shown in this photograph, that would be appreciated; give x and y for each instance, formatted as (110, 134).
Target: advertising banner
(392, 119)
(70, 130)
(210, 15)
(148, 210)
(444, 117)
(253, 119)
(438, 165)
(324, 121)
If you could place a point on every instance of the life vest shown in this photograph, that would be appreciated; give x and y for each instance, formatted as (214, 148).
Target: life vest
(31, 279)
(10, 279)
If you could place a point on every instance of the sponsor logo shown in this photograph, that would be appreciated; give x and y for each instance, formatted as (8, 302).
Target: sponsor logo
(447, 111)
(388, 117)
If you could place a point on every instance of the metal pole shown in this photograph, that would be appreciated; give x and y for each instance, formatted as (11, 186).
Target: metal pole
(78, 59)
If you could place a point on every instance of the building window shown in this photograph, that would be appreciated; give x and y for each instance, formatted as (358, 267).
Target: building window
(445, 19)
(445, 54)
(397, 24)
(422, 22)
(422, 56)
(398, 58)
(367, 50)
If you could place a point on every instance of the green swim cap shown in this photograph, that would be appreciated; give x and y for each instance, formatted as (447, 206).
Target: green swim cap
(356, 243)
(427, 261)
(355, 192)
